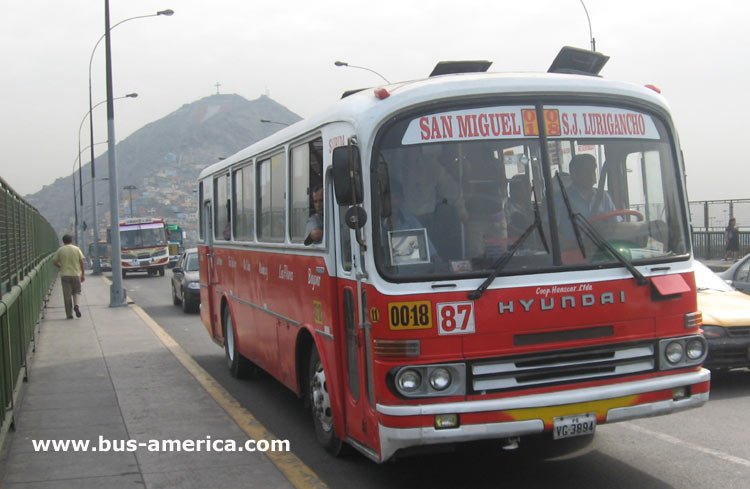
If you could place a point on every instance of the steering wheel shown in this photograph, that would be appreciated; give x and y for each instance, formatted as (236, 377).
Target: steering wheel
(618, 212)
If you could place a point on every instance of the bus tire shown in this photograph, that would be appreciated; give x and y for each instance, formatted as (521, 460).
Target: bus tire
(239, 366)
(320, 404)
(161, 272)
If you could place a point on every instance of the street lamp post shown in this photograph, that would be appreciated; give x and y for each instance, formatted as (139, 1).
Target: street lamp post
(77, 193)
(84, 224)
(97, 268)
(130, 189)
(95, 258)
(344, 63)
(116, 293)
(75, 206)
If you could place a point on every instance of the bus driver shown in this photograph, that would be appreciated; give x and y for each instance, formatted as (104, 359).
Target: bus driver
(582, 193)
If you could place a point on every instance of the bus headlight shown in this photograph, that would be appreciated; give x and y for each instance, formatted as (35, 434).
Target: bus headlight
(674, 352)
(687, 351)
(440, 379)
(408, 381)
(695, 349)
(445, 379)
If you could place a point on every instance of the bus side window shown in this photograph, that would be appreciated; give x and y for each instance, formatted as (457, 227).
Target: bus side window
(201, 236)
(222, 223)
(243, 202)
(272, 192)
(306, 178)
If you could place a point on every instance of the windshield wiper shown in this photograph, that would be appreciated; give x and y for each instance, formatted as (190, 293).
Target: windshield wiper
(577, 218)
(571, 214)
(499, 265)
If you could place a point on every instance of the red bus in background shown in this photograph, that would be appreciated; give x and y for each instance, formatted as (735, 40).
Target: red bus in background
(460, 292)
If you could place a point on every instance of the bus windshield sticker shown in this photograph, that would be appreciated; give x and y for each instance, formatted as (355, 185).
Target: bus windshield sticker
(515, 122)
(409, 246)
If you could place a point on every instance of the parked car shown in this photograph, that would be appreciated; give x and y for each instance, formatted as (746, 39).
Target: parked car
(726, 320)
(186, 288)
(739, 274)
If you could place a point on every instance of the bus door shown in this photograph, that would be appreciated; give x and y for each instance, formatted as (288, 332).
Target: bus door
(360, 420)
(209, 310)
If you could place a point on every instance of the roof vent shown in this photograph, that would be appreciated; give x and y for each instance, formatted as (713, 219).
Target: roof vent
(578, 61)
(453, 67)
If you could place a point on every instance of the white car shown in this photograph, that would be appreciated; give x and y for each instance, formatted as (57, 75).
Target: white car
(739, 274)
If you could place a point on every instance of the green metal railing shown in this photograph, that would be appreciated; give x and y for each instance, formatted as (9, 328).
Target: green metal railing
(27, 242)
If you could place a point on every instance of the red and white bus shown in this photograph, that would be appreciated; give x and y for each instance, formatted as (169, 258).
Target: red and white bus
(459, 293)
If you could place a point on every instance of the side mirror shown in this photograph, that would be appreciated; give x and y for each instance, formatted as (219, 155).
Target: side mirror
(347, 175)
(355, 218)
(176, 270)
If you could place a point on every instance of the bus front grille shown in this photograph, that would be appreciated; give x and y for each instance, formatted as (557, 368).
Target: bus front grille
(562, 366)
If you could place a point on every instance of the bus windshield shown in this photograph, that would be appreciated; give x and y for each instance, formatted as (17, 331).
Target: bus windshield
(142, 237)
(455, 189)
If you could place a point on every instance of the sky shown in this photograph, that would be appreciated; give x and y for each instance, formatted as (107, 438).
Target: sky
(695, 52)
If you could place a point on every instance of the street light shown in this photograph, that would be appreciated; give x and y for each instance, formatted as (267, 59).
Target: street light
(344, 63)
(97, 269)
(267, 121)
(76, 193)
(80, 127)
(130, 189)
(95, 258)
(116, 292)
(93, 216)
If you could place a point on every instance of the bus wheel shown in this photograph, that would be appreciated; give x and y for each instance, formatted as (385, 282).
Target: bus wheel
(161, 272)
(320, 402)
(239, 366)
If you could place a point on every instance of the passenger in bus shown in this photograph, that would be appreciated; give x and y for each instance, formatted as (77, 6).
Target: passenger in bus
(314, 226)
(401, 220)
(518, 208)
(430, 185)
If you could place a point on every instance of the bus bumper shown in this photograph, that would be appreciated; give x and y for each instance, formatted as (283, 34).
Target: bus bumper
(533, 413)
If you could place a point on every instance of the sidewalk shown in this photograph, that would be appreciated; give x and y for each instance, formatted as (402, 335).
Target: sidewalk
(107, 375)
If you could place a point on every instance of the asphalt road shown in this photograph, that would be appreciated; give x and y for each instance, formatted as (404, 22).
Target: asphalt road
(702, 448)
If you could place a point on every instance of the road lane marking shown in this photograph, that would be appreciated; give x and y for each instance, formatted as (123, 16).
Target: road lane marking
(686, 444)
(300, 475)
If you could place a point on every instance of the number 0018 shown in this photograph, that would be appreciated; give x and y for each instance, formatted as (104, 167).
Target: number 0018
(410, 315)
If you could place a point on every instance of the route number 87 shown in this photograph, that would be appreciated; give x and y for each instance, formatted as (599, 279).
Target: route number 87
(455, 318)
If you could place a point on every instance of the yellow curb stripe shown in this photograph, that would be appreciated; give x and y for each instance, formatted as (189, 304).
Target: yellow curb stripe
(300, 475)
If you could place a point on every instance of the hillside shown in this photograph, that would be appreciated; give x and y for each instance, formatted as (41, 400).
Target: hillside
(163, 159)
